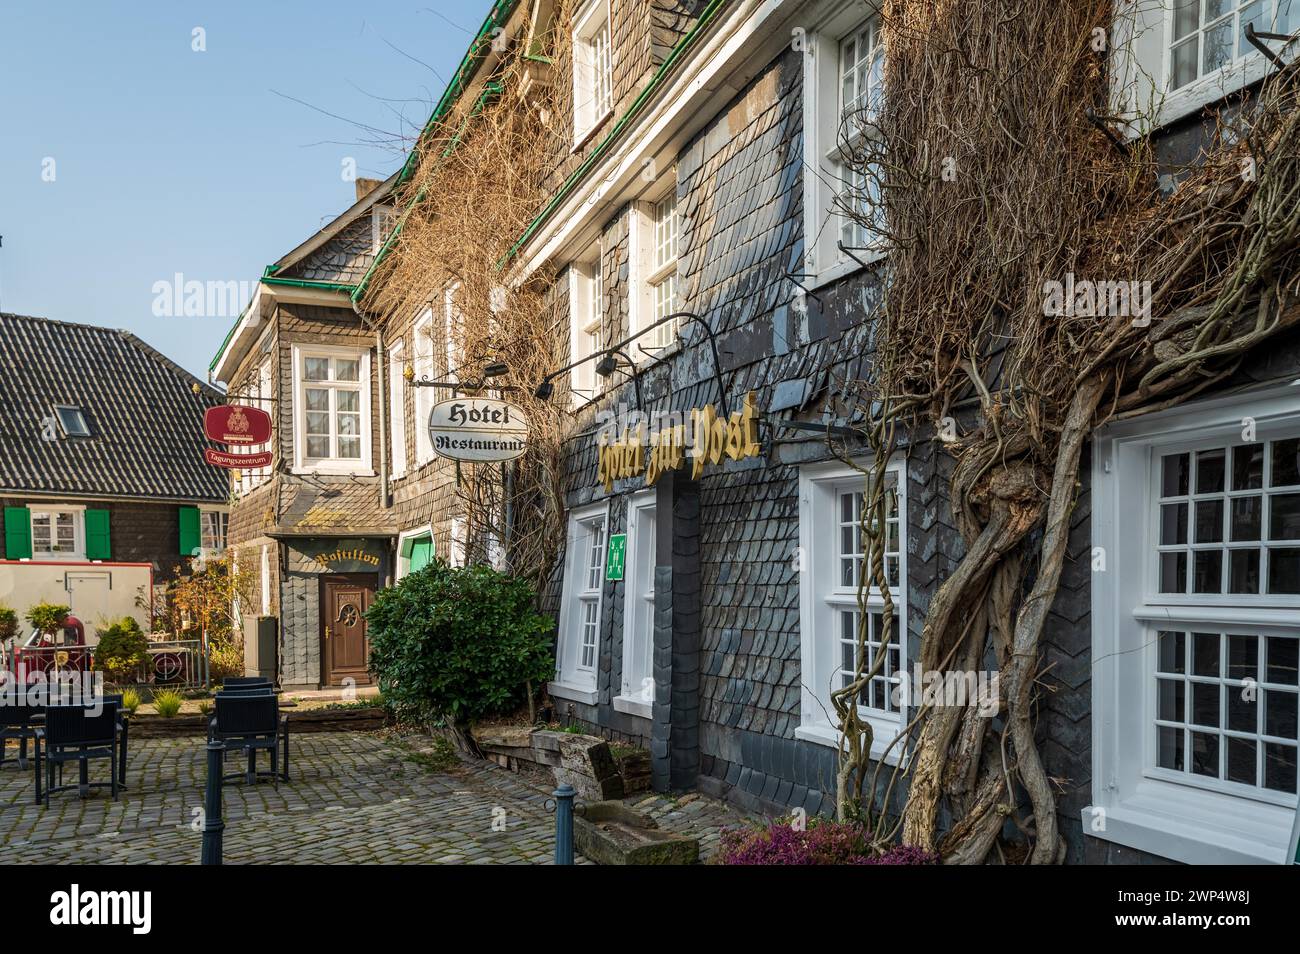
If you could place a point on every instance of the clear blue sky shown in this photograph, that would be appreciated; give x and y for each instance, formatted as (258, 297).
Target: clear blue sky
(170, 160)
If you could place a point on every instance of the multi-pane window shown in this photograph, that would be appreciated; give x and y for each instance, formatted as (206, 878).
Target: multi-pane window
(593, 73)
(212, 529)
(1229, 519)
(1208, 35)
(586, 301)
(56, 533)
(453, 331)
(331, 397)
(639, 603)
(1226, 706)
(655, 242)
(853, 561)
(424, 366)
(589, 597)
(861, 72)
(1227, 526)
(842, 93)
(584, 575)
(849, 625)
(663, 281)
(861, 68)
(397, 406)
(1195, 597)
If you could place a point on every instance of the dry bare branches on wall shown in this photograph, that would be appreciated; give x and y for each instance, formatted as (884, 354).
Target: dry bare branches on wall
(998, 185)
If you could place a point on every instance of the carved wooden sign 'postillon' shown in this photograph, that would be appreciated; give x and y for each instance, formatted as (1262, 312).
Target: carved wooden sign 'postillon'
(708, 439)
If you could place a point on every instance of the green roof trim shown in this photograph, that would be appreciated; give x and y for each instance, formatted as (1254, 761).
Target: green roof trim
(308, 283)
(495, 21)
(469, 64)
(678, 51)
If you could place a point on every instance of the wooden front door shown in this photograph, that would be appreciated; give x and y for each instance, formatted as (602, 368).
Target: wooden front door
(344, 647)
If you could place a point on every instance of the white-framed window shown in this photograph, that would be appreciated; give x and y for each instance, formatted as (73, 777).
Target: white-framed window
(265, 579)
(637, 692)
(653, 247)
(1196, 629)
(844, 69)
(382, 219)
(256, 394)
(425, 365)
(397, 406)
(833, 547)
(453, 330)
(458, 547)
(1176, 56)
(331, 409)
(58, 531)
(586, 312)
(578, 648)
(213, 522)
(593, 74)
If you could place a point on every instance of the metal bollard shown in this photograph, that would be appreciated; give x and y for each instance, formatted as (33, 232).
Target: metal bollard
(564, 824)
(213, 823)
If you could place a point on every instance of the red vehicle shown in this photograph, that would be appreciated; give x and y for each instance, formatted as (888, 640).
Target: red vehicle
(52, 653)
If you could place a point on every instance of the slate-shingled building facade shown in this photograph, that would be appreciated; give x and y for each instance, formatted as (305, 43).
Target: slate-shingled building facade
(708, 184)
(699, 174)
(104, 488)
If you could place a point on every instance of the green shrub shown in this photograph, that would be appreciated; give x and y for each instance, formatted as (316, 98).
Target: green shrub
(130, 700)
(48, 617)
(122, 650)
(167, 702)
(8, 623)
(205, 707)
(457, 644)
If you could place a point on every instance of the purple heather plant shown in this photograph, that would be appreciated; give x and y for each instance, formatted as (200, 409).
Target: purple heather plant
(822, 842)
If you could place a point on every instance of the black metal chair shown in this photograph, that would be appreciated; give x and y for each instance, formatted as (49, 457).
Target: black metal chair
(123, 724)
(19, 722)
(73, 734)
(251, 722)
(245, 682)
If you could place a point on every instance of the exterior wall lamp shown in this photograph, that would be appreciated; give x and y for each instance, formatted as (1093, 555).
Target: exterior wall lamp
(608, 363)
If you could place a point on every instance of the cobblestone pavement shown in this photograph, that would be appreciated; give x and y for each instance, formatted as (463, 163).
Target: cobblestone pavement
(354, 798)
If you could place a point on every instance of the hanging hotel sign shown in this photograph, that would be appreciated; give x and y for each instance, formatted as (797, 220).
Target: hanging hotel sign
(706, 440)
(235, 424)
(478, 430)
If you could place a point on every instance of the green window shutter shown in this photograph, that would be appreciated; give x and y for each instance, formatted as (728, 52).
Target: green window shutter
(18, 533)
(191, 536)
(421, 552)
(97, 545)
